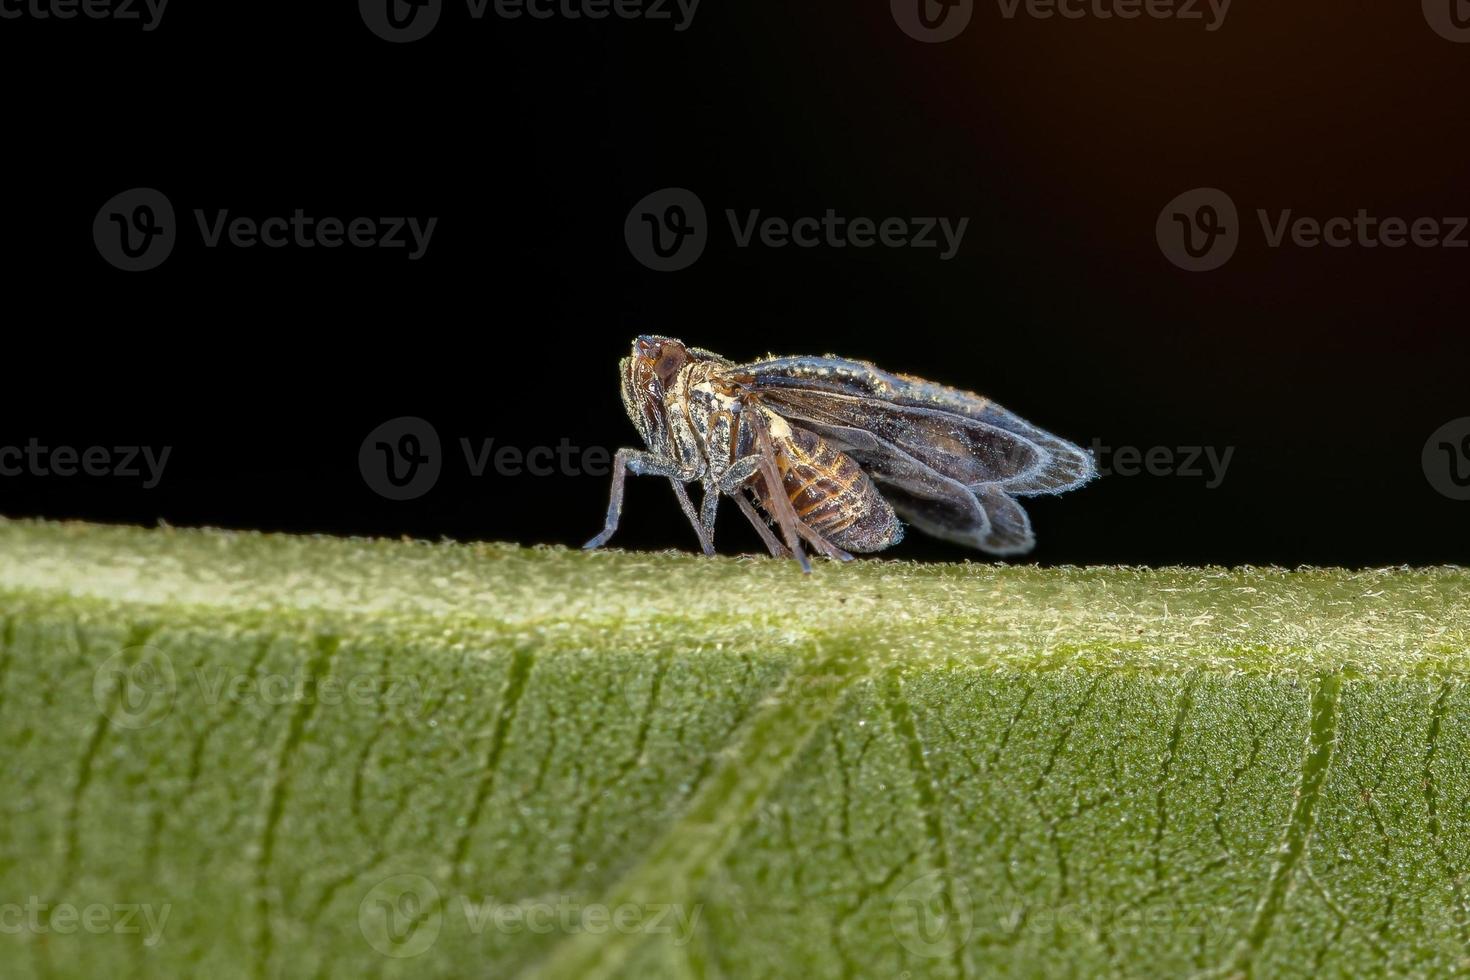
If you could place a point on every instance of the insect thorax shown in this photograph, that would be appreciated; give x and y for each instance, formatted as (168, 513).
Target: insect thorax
(714, 411)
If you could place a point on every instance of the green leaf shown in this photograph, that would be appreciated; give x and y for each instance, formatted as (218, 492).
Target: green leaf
(242, 754)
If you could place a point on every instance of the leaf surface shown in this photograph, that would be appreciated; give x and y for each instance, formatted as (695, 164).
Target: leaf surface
(296, 756)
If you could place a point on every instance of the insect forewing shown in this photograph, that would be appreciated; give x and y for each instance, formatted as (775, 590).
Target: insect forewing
(958, 434)
(983, 517)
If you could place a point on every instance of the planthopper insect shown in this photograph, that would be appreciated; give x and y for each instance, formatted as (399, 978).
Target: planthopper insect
(834, 452)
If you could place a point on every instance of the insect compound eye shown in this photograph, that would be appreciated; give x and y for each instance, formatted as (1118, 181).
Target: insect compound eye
(670, 360)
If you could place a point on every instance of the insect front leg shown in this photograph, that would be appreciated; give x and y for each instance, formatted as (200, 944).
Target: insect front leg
(708, 505)
(643, 463)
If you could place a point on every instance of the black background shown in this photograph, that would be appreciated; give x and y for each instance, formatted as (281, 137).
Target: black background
(1325, 369)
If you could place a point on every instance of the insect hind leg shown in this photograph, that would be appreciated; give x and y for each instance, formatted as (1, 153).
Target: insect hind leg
(785, 514)
(820, 543)
(732, 483)
(775, 547)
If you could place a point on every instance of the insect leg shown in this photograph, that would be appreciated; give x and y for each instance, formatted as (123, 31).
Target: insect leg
(776, 491)
(642, 463)
(821, 544)
(732, 482)
(707, 507)
(776, 548)
(705, 543)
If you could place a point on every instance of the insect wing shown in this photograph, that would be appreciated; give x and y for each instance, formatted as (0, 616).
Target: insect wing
(962, 449)
(983, 517)
(960, 435)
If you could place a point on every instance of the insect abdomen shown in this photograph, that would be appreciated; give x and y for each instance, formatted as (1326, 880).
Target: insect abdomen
(833, 496)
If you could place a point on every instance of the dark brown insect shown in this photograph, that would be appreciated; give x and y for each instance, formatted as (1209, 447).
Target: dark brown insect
(834, 452)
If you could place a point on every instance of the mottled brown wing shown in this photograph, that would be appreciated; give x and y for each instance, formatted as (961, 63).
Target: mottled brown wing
(957, 434)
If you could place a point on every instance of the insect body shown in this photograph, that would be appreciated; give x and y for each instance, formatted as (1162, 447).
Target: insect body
(830, 493)
(834, 451)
